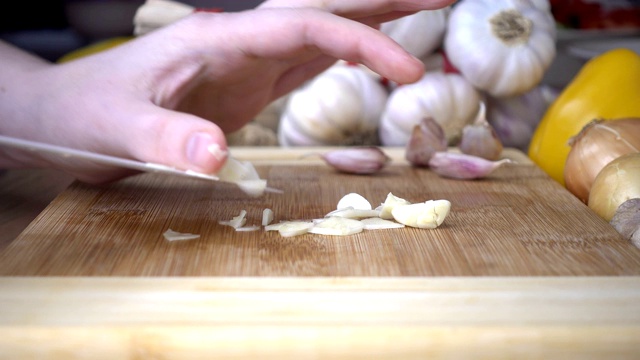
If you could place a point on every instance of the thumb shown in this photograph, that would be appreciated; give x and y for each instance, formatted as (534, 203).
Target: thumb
(176, 139)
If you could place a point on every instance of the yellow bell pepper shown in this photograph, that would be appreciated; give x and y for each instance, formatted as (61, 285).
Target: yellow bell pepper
(94, 48)
(607, 87)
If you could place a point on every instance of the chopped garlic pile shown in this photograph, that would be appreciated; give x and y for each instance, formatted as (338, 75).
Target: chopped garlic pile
(354, 214)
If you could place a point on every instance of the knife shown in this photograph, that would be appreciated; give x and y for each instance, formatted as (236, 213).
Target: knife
(234, 171)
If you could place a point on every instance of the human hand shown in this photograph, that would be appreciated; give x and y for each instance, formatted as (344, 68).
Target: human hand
(169, 96)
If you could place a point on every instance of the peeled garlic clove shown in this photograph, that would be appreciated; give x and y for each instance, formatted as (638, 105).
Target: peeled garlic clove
(427, 215)
(480, 139)
(427, 138)
(389, 203)
(357, 160)
(463, 166)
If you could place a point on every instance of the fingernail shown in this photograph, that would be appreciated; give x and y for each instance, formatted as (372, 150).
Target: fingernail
(201, 149)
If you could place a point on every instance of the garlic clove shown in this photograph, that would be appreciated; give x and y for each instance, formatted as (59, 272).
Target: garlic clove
(463, 166)
(427, 137)
(480, 138)
(357, 160)
(427, 215)
(389, 203)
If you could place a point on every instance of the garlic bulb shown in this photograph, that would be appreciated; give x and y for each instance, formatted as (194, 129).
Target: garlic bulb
(447, 98)
(515, 118)
(502, 47)
(341, 106)
(420, 33)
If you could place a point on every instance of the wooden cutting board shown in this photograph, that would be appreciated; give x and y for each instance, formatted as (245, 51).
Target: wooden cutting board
(516, 222)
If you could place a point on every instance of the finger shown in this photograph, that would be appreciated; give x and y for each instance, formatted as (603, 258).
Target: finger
(173, 138)
(293, 34)
(355, 9)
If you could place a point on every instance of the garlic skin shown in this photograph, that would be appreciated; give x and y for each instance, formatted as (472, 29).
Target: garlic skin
(502, 47)
(357, 160)
(426, 139)
(341, 106)
(447, 98)
(480, 139)
(463, 166)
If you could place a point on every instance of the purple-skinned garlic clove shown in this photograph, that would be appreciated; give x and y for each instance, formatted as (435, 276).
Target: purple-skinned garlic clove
(480, 138)
(463, 166)
(357, 160)
(427, 138)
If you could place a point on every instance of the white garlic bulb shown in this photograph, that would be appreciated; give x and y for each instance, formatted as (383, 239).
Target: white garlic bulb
(447, 98)
(420, 33)
(503, 47)
(341, 106)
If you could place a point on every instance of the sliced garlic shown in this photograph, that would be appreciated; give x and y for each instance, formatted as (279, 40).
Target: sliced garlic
(248, 228)
(376, 223)
(176, 236)
(291, 228)
(389, 203)
(427, 215)
(352, 213)
(237, 221)
(354, 200)
(245, 175)
(337, 226)
(267, 216)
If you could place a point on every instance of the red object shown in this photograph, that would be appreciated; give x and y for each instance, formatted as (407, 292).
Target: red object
(596, 14)
(447, 66)
(209, 10)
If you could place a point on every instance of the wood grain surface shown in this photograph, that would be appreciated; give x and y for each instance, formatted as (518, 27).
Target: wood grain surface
(319, 318)
(516, 222)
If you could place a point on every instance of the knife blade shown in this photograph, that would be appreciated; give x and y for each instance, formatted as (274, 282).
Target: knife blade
(108, 160)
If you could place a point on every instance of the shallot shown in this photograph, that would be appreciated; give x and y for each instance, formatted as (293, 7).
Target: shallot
(597, 144)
